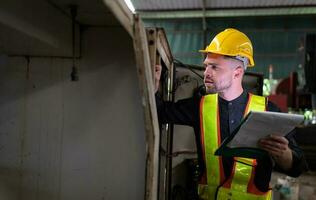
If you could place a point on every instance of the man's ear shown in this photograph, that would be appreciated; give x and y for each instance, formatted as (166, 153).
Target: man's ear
(239, 71)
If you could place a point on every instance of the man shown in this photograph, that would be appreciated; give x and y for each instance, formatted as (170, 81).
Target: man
(215, 116)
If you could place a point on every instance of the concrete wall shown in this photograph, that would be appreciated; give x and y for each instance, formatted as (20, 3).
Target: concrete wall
(73, 140)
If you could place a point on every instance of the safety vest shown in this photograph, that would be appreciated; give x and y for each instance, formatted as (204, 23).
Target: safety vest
(214, 185)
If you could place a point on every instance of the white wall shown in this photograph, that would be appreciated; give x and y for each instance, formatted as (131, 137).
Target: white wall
(73, 140)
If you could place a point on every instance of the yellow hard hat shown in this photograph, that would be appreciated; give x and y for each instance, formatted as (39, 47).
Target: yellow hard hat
(231, 42)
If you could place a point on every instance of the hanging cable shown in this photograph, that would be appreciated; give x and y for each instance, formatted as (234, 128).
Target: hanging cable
(74, 71)
(190, 67)
(27, 58)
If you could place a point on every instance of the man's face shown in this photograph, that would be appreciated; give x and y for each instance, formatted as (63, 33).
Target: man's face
(218, 74)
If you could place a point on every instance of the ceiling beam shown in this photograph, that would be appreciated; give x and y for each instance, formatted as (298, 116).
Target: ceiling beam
(228, 13)
(204, 24)
(122, 13)
(39, 22)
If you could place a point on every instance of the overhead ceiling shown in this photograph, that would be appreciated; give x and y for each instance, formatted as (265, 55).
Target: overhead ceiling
(44, 27)
(92, 12)
(163, 5)
(169, 9)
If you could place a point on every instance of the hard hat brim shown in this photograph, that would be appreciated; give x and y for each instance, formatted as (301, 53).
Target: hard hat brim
(251, 61)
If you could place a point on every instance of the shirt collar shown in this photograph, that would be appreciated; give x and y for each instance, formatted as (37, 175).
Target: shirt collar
(242, 99)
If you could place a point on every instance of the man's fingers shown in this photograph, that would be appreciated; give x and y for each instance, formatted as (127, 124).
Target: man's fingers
(158, 68)
(157, 75)
(272, 144)
(279, 139)
(278, 148)
(272, 150)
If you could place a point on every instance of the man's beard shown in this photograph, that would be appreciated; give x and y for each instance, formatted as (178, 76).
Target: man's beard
(217, 88)
(209, 90)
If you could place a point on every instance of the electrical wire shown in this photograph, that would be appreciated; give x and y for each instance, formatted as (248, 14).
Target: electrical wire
(190, 67)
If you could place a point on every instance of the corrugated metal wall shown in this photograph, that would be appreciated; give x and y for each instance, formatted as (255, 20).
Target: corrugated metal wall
(277, 40)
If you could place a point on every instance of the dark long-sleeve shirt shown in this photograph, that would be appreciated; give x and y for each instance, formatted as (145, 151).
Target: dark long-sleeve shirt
(186, 112)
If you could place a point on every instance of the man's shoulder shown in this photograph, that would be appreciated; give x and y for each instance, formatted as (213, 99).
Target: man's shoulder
(273, 107)
(270, 105)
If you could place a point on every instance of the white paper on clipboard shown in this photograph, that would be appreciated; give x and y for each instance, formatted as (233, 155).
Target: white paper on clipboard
(261, 124)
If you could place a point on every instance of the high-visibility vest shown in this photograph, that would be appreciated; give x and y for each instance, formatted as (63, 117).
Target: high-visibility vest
(214, 185)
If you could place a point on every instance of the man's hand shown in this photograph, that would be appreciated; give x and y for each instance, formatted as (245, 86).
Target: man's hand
(158, 69)
(278, 148)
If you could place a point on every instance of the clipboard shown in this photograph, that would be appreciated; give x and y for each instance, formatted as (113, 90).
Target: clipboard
(256, 125)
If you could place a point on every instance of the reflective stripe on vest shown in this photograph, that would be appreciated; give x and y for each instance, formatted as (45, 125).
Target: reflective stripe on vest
(240, 184)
